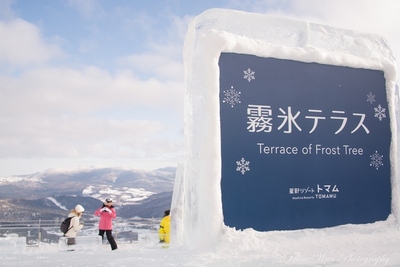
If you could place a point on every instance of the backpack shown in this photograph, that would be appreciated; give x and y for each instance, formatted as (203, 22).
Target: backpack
(65, 225)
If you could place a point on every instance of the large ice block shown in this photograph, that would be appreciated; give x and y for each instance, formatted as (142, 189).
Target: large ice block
(12, 245)
(218, 32)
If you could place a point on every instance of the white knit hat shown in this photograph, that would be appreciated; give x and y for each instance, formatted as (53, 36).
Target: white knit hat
(79, 208)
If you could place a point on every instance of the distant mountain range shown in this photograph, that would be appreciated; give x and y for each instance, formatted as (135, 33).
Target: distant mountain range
(51, 194)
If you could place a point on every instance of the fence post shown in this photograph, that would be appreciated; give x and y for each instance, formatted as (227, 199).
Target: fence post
(39, 233)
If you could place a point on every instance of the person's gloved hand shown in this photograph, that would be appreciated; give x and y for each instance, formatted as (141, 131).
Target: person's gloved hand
(105, 209)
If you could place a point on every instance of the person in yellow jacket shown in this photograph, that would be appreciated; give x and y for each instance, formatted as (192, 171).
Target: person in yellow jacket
(164, 231)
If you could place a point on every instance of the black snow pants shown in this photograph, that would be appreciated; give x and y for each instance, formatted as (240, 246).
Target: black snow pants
(110, 238)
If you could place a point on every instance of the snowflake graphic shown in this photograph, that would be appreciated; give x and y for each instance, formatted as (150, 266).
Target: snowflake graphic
(243, 166)
(380, 112)
(232, 97)
(376, 160)
(370, 98)
(248, 74)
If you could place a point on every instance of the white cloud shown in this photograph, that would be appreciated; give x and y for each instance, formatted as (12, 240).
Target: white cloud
(60, 112)
(88, 8)
(6, 11)
(22, 44)
(164, 57)
(85, 113)
(64, 114)
(159, 65)
(84, 137)
(74, 91)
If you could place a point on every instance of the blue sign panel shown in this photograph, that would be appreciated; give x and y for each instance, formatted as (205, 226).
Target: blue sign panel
(303, 145)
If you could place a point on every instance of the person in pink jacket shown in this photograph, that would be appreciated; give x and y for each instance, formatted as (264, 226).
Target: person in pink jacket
(107, 214)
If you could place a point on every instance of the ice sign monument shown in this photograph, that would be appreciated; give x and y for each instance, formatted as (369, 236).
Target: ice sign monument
(289, 125)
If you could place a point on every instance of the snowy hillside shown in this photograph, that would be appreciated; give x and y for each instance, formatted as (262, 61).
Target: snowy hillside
(127, 185)
(49, 194)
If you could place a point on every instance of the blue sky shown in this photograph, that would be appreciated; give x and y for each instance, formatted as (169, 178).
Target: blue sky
(88, 83)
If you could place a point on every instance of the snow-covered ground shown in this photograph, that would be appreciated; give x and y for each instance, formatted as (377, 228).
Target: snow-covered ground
(376, 244)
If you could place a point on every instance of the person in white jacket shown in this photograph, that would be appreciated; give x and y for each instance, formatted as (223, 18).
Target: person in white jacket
(75, 225)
